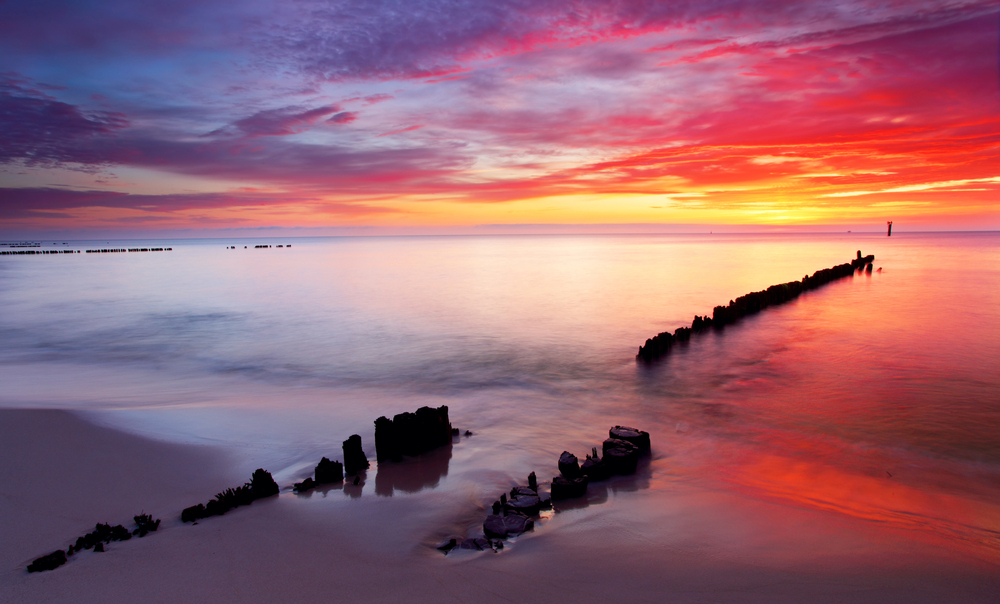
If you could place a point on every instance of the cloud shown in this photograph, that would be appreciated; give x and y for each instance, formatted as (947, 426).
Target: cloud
(516, 99)
(282, 122)
(35, 202)
(39, 130)
(926, 186)
(344, 117)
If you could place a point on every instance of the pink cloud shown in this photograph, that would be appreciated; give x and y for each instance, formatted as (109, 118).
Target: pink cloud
(281, 122)
(344, 117)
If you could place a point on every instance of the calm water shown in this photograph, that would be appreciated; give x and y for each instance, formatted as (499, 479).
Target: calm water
(875, 398)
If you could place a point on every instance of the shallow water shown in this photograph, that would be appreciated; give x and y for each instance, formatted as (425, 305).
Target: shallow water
(874, 398)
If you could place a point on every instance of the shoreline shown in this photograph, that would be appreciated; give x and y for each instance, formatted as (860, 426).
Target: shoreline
(62, 474)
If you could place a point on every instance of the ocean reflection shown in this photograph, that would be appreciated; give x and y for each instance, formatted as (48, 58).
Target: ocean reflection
(413, 474)
(321, 490)
(531, 341)
(597, 492)
(353, 486)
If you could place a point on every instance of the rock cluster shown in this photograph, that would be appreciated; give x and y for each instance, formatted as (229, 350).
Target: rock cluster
(96, 539)
(412, 433)
(511, 516)
(621, 452)
(261, 485)
(515, 512)
(406, 434)
(752, 303)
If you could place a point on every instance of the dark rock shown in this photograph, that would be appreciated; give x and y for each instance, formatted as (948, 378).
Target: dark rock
(615, 443)
(386, 440)
(305, 485)
(523, 492)
(217, 507)
(354, 457)
(533, 482)
(568, 465)
(195, 512)
(635, 436)
(468, 432)
(483, 544)
(98, 547)
(356, 481)
(448, 545)
(621, 457)
(145, 524)
(594, 469)
(472, 543)
(412, 433)
(523, 504)
(49, 562)
(262, 484)
(329, 471)
(501, 527)
(494, 526)
(102, 533)
(568, 488)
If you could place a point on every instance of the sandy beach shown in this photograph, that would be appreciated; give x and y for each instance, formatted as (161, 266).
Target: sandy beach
(61, 474)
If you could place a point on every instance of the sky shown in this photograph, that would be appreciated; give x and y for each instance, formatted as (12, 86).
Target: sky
(208, 117)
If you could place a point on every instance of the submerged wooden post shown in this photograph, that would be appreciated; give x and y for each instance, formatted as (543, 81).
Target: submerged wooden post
(889, 234)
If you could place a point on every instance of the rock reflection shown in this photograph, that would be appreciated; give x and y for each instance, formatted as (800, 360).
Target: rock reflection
(321, 490)
(413, 474)
(597, 492)
(354, 486)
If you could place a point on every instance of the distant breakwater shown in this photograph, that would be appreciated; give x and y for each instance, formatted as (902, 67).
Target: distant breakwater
(37, 252)
(100, 251)
(131, 249)
(661, 344)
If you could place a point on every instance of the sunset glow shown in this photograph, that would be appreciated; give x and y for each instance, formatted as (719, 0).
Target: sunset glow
(452, 116)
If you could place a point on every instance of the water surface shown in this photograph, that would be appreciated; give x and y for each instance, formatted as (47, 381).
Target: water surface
(872, 399)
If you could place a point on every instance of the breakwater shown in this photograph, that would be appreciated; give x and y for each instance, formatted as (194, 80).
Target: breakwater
(131, 249)
(100, 251)
(409, 435)
(36, 252)
(661, 344)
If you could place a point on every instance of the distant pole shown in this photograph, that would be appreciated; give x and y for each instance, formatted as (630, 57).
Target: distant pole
(890, 229)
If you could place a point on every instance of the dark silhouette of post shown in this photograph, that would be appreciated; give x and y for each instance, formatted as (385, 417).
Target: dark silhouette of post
(889, 234)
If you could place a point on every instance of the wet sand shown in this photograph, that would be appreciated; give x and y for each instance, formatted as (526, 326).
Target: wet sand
(660, 542)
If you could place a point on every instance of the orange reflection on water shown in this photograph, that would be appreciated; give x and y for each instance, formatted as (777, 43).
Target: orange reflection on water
(891, 500)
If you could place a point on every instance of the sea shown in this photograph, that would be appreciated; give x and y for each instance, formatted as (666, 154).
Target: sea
(873, 400)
